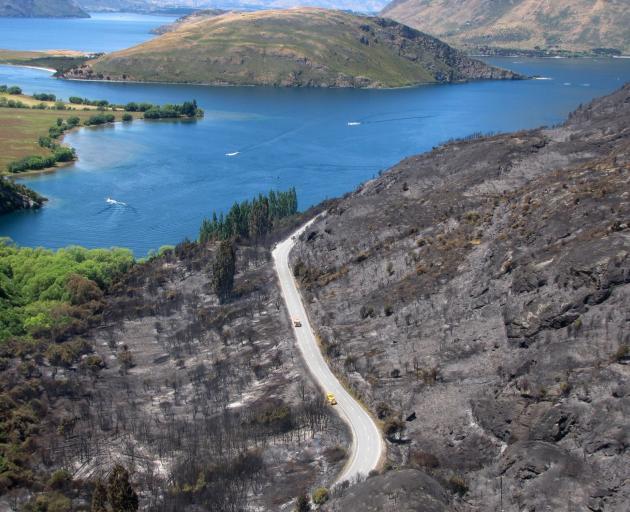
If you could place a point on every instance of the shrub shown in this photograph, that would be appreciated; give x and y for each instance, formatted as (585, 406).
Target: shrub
(99, 119)
(622, 353)
(320, 496)
(14, 90)
(59, 479)
(424, 460)
(458, 485)
(303, 504)
(127, 118)
(44, 97)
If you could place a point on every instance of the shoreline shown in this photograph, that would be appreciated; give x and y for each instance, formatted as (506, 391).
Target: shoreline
(59, 165)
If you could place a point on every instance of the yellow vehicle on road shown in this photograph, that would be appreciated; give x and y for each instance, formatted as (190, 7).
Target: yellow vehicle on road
(331, 399)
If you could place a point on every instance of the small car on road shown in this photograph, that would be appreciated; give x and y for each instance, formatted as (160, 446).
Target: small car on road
(331, 398)
(297, 323)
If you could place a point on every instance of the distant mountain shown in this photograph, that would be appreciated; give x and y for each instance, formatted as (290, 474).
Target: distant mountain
(305, 47)
(41, 9)
(115, 5)
(372, 6)
(573, 25)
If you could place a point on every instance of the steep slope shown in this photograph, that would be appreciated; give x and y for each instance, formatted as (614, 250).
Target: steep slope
(296, 47)
(41, 9)
(476, 297)
(574, 25)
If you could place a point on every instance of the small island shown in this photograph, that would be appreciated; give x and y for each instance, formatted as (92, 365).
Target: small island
(302, 47)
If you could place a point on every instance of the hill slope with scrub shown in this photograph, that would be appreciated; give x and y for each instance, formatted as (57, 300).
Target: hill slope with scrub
(561, 25)
(290, 48)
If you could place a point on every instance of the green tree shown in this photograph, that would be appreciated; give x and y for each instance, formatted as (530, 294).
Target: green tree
(259, 223)
(223, 271)
(121, 494)
(99, 497)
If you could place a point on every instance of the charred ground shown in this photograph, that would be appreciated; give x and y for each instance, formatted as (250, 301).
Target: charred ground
(477, 297)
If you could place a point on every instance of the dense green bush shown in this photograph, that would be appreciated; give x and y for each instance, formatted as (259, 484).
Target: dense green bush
(14, 90)
(37, 285)
(186, 109)
(37, 163)
(45, 97)
(127, 118)
(99, 119)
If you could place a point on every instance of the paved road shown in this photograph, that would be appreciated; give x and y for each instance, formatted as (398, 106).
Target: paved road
(367, 443)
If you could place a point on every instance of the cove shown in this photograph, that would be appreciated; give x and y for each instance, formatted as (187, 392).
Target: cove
(170, 175)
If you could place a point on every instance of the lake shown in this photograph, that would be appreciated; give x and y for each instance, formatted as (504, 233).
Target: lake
(100, 33)
(170, 175)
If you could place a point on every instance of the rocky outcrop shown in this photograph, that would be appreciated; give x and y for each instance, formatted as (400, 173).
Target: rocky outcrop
(17, 197)
(476, 298)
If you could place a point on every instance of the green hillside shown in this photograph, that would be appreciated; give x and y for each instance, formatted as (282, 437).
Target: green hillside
(291, 48)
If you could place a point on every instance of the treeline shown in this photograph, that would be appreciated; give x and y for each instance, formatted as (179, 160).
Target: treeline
(44, 97)
(188, 109)
(14, 89)
(250, 219)
(37, 163)
(150, 110)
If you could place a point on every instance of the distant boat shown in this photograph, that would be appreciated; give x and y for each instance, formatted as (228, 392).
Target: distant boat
(232, 154)
(109, 200)
(354, 123)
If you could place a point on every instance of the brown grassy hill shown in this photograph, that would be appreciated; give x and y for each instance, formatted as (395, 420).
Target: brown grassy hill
(295, 47)
(574, 25)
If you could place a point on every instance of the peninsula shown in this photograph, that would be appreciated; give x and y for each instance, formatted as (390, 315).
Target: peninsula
(305, 47)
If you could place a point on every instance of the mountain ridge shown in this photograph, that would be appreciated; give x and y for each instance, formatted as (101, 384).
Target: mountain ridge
(562, 25)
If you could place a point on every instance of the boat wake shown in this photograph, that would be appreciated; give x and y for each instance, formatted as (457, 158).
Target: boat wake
(109, 200)
(354, 123)
(233, 154)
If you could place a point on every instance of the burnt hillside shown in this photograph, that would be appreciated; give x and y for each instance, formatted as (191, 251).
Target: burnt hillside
(205, 402)
(477, 298)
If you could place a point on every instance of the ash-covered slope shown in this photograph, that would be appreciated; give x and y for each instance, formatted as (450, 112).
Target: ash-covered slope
(477, 298)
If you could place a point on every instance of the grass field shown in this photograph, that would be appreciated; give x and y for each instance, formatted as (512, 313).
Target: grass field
(21, 128)
(59, 60)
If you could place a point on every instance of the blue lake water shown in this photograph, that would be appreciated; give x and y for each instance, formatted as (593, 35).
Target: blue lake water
(172, 174)
(100, 33)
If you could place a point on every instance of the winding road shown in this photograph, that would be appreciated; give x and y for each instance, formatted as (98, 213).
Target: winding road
(367, 443)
